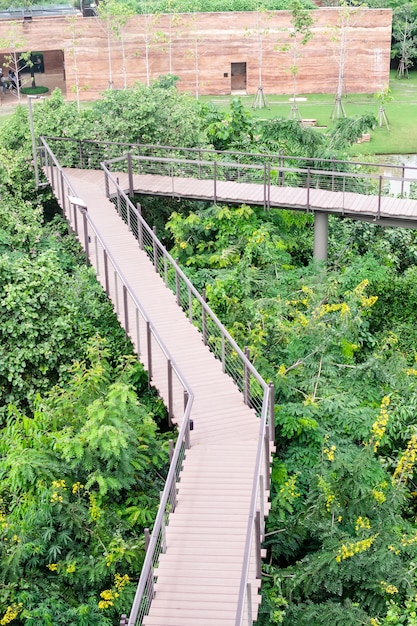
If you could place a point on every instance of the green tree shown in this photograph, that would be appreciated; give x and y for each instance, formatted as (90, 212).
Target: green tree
(404, 32)
(78, 481)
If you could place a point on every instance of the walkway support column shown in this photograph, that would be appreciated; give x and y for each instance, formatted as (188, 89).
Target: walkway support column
(321, 229)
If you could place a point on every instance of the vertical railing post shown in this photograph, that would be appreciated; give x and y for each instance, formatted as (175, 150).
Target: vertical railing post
(246, 379)
(265, 202)
(173, 486)
(106, 272)
(402, 179)
(155, 249)
(271, 421)
(258, 545)
(86, 237)
(177, 287)
(119, 206)
(106, 179)
(308, 189)
(149, 351)
(51, 172)
(269, 185)
(170, 401)
(223, 354)
(190, 304)
(137, 329)
(64, 199)
(130, 173)
(75, 220)
(379, 197)
(80, 152)
(163, 531)
(332, 173)
(262, 506)
(215, 182)
(187, 432)
(204, 318)
(147, 538)
(249, 603)
(267, 461)
(126, 310)
(140, 227)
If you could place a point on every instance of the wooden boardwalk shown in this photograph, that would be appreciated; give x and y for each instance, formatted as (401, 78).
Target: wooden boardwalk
(199, 575)
(389, 212)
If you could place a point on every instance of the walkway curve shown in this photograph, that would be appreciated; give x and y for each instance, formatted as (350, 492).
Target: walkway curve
(198, 579)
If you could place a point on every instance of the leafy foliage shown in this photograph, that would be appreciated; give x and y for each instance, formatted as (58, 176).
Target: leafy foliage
(66, 474)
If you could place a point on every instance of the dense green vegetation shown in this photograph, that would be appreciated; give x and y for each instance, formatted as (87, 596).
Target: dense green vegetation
(81, 458)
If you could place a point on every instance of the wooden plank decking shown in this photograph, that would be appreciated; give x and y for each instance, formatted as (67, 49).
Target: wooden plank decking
(392, 211)
(199, 575)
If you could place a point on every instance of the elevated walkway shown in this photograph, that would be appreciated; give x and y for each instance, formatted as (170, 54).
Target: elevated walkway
(198, 577)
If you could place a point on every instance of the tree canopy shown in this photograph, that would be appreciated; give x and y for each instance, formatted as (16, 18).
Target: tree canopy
(81, 478)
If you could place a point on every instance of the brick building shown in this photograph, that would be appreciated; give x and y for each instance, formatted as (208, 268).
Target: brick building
(211, 53)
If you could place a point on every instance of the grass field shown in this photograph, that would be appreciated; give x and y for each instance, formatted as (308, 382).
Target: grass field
(401, 138)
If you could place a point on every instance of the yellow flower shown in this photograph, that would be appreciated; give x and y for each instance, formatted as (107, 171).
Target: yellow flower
(380, 424)
(378, 496)
(359, 289)
(282, 370)
(11, 613)
(58, 484)
(77, 487)
(354, 547)
(406, 462)
(95, 512)
(329, 452)
(71, 568)
(391, 589)
(108, 596)
(362, 523)
(120, 581)
(52, 566)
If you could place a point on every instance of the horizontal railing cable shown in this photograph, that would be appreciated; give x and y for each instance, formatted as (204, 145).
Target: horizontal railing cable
(167, 505)
(238, 366)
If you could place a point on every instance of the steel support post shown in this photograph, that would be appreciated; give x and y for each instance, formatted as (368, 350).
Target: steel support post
(321, 229)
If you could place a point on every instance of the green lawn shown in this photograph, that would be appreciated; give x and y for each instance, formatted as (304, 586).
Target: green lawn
(401, 138)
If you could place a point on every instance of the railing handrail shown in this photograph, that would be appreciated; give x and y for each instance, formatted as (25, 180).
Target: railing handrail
(125, 282)
(211, 151)
(150, 552)
(251, 521)
(265, 414)
(189, 284)
(283, 168)
(264, 422)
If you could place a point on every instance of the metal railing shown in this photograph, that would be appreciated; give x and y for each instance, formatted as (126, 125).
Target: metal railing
(149, 345)
(256, 392)
(87, 153)
(344, 185)
(269, 171)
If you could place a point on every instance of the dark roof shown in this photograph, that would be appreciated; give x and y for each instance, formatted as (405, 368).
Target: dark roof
(15, 13)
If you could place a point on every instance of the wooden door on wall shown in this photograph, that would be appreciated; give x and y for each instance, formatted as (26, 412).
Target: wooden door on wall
(238, 77)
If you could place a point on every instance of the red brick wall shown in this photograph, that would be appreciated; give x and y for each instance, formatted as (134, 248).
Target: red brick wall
(217, 40)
